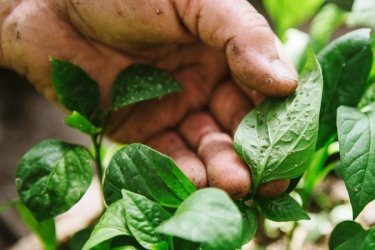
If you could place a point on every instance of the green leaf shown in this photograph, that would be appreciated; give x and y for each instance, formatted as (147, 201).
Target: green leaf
(369, 242)
(143, 217)
(346, 63)
(45, 231)
(142, 170)
(284, 208)
(343, 231)
(249, 220)
(356, 133)
(52, 177)
(277, 138)
(328, 19)
(207, 216)
(78, 121)
(111, 224)
(362, 14)
(75, 90)
(140, 82)
(287, 14)
(353, 243)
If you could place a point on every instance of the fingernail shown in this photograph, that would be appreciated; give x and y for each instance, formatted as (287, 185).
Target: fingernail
(282, 71)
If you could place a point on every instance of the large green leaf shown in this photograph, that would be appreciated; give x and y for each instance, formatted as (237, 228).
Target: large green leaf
(142, 170)
(143, 217)
(346, 63)
(45, 230)
(75, 90)
(356, 133)
(141, 82)
(343, 231)
(277, 138)
(111, 224)
(362, 13)
(287, 14)
(284, 208)
(208, 216)
(52, 177)
(369, 242)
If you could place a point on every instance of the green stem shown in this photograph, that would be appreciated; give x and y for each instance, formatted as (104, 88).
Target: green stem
(312, 172)
(97, 141)
(290, 235)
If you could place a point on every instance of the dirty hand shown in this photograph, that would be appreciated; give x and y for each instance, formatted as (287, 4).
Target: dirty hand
(221, 51)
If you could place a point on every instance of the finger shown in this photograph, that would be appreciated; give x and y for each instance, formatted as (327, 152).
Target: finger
(273, 189)
(171, 144)
(229, 105)
(195, 126)
(225, 169)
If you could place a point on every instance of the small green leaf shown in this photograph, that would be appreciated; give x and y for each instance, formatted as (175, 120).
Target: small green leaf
(356, 133)
(140, 82)
(343, 231)
(277, 138)
(111, 224)
(45, 231)
(143, 217)
(287, 14)
(249, 220)
(369, 242)
(284, 208)
(52, 177)
(74, 88)
(354, 242)
(78, 121)
(208, 216)
(346, 63)
(142, 170)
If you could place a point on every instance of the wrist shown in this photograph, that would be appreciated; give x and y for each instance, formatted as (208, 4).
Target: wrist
(6, 7)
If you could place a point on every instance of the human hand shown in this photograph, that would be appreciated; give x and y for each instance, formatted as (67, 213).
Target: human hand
(221, 51)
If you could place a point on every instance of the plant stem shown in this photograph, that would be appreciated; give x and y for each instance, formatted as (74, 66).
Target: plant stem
(97, 141)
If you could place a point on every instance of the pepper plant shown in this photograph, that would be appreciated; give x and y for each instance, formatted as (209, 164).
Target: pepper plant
(151, 204)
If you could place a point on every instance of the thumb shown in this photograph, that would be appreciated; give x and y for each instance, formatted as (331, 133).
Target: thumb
(253, 52)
